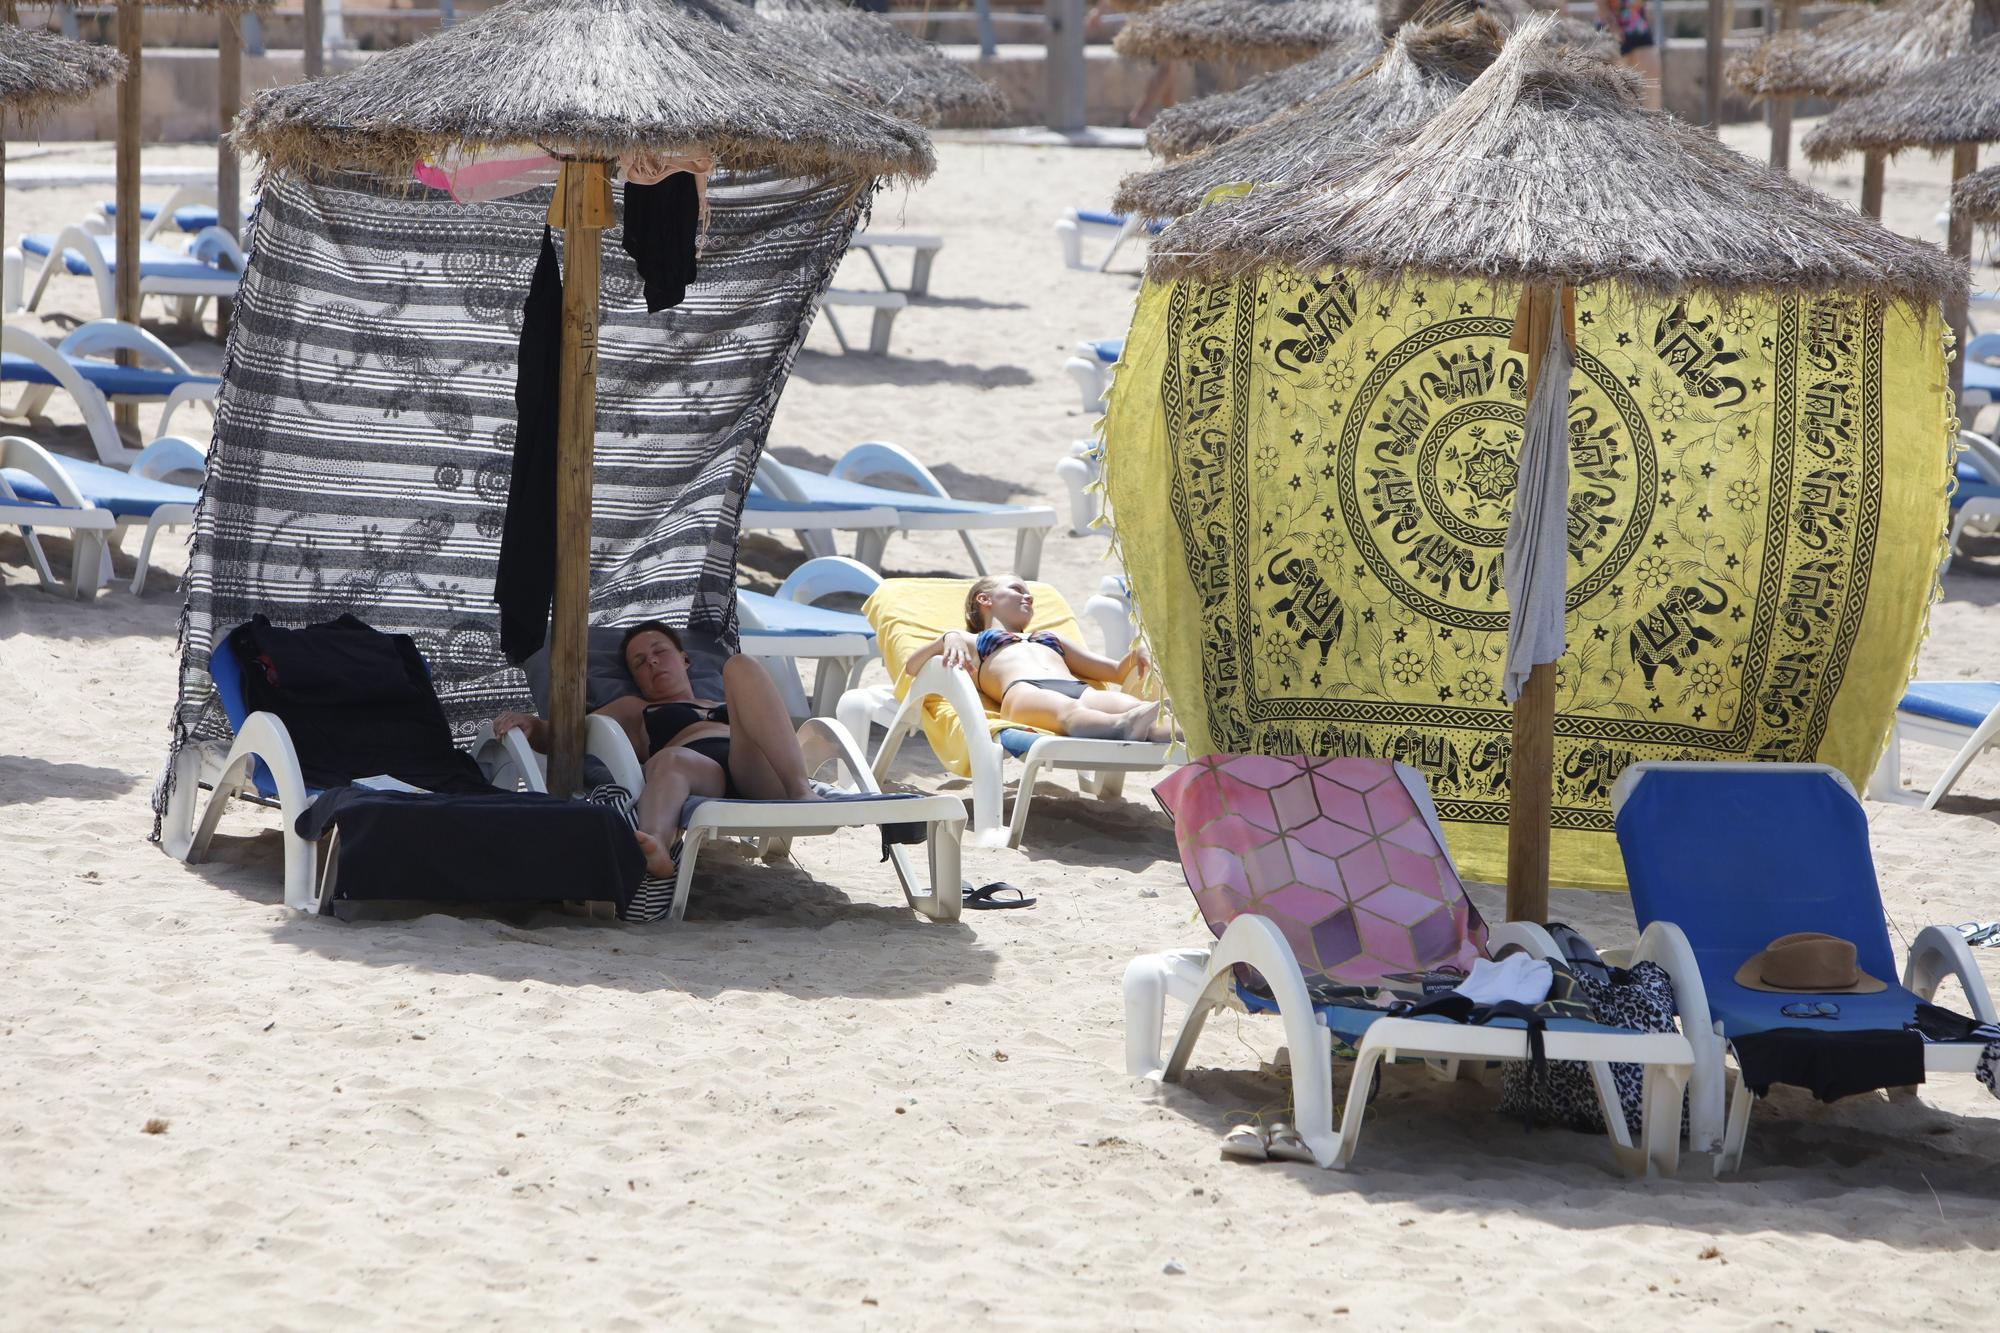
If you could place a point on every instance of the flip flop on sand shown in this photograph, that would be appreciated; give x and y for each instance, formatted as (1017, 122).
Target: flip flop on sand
(986, 898)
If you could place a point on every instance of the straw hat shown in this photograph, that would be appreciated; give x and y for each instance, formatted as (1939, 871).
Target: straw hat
(1807, 962)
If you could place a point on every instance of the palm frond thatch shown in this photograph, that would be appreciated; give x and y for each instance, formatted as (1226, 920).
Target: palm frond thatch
(1935, 107)
(584, 78)
(1423, 70)
(1192, 126)
(40, 71)
(1854, 52)
(1393, 15)
(1548, 170)
(1244, 29)
(1978, 196)
(878, 62)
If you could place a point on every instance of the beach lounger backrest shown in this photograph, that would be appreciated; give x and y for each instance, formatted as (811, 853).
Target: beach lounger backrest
(606, 676)
(1739, 854)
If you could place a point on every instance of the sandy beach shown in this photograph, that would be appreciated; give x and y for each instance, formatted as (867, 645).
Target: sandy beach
(807, 1107)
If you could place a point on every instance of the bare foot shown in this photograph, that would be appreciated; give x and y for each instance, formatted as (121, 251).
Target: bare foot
(1141, 723)
(659, 861)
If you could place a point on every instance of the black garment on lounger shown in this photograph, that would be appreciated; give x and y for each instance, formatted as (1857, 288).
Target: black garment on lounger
(1830, 1064)
(356, 702)
(662, 224)
(525, 583)
(492, 849)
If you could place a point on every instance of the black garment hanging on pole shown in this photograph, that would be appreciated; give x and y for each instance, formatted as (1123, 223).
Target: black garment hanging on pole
(525, 584)
(662, 223)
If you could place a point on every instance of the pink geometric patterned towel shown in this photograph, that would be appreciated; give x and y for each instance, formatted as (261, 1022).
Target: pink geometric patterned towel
(1332, 850)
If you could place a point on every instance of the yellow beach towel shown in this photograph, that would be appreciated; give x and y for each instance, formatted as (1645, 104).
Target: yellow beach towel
(909, 613)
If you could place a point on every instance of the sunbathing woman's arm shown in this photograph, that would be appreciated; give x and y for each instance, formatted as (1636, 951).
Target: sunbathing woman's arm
(959, 650)
(1089, 666)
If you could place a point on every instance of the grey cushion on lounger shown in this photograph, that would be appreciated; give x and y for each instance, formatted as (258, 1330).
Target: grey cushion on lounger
(607, 679)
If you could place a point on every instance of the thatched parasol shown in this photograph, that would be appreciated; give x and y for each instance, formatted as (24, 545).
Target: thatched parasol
(589, 82)
(40, 71)
(1851, 53)
(879, 63)
(1274, 30)
(1547, 172)
(1206, 121)
(1424, 69)
(1952, 105)
(1977, 197)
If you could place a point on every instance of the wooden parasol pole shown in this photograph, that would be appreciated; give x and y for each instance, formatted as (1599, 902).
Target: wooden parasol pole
(312, 46)
(1872, 172)
(582, 207)
(1964, 161)
(1531, 770)
(1781, 107)
(1720, 15)
(131, 16)
(228, 173)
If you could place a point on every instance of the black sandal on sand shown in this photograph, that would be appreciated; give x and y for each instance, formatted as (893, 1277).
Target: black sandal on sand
(986, 898)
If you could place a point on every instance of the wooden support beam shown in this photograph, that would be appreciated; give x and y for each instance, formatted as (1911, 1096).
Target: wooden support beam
(1872, 172)
(1964, 161)
(583, 196)
(1531, 770)
(1784, 17)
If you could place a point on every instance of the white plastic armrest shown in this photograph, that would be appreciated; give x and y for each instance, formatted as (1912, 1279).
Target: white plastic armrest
(828, 576)
(216, 246)
(1664, 943)
(1941, 952)
(167, 455)
(22, 453)
(961, 696)
(823, 739)
(606, 741)
(114, 335)
(873, 459)
(1526, 936)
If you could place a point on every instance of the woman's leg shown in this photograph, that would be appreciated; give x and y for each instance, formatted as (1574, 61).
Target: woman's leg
(1099, 715)
(764, 755)
(672, 775)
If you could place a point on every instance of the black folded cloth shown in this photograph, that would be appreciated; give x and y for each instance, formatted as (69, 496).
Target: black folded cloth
(662, 228)
(489, 849)
(1830, 1064)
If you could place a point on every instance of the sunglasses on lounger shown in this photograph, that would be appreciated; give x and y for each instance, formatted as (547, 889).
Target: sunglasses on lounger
(1811, 1009)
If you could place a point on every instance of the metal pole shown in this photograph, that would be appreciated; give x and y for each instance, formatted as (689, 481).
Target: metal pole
(584, 198)
(125, 227)
(1067, 108)
(1531, 769)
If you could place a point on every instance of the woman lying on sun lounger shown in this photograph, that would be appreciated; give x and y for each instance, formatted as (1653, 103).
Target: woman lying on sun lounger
(1040, 679)
(740, 747)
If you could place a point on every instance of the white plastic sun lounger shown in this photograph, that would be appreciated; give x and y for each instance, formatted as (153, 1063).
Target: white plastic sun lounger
(923, 249)
(39, 489)
(1081, 472)
(1205, 980)
(1958, 715)
(210, 268)
(782, 628)
(190, 209)
(80, 366)
(771, 825)
(1090, 366)
(883, 307)
(848, 485)
(1118, 228)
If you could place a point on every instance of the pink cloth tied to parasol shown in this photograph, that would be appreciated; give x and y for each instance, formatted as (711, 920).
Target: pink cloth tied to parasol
(1335, 852)
(477, 178)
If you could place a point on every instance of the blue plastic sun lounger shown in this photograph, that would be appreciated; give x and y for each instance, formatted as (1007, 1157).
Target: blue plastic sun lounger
(80, 366)
(928, 507)
(1090, 367)
(211, 267)
(1958, 715)
(1782, 848)
(71, 490)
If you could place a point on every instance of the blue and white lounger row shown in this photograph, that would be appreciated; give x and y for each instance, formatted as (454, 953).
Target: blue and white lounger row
(96, 505)
(80, 366)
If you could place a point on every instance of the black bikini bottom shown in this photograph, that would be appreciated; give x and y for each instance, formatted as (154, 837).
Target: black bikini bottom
(717, 748)
(1073, 688)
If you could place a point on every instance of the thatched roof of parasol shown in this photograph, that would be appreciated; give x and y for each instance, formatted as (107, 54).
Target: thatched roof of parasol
(1423, 70)
(1978, 196)
(583, 78)
(1244, 29)
(1394, 14)
(880, 63)
(40, 71)
(1205, 121)
(1548, 170)
(1856, 51)
(1935, 107)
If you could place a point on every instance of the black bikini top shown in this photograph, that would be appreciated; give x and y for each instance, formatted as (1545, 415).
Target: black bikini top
(668, 720)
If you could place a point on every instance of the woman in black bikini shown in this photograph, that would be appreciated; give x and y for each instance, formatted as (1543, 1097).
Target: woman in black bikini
(1042, 680)
(741, 746)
